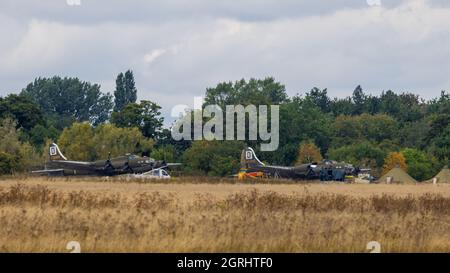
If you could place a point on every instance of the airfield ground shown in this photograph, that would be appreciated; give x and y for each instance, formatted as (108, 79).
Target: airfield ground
(220, 215)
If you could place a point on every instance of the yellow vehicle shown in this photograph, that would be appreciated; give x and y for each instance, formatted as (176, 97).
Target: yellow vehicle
(244, 174)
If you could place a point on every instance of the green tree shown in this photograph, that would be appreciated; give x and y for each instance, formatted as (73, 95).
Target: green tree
(405, 107)
(165, 139)
(165, 152)
(346, 130)
(359, 100)
(440, 146)
(77, 142)
(119, 141)
(224, 165)
(125, 92)
(378, 127)
(375, 128)
(65, 100)
(146, 116)
(308, 152)
(438, 124)
(300, 120)
(15, 156)
(420, 165)
(8, 163)
(411, 109)
(10, 142)
(83, 142)
(372, 105)
(319, 98)
(394, 160)
(439, 105)
(339, 107)
(437, 139)
(219, 158)
(39, 134)
(389, 103)
(414, 134)
(362, 154)
(255, 91)
(23, 110)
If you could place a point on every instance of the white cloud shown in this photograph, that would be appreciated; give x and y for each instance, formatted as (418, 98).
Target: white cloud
(401, 47)
(153, 55)
(42, 44)
(373, 2)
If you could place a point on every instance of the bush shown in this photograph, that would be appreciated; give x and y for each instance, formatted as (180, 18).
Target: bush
(8, 163)
(420, 165)
(218, 158)
(364, 154)
(83, 142)
(394, 160)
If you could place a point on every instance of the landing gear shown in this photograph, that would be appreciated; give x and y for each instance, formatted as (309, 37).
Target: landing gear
(127, 168)
(276, 175)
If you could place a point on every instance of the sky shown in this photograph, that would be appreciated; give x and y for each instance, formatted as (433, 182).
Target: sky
(178, 48)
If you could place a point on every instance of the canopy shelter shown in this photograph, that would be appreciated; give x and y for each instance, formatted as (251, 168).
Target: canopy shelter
(442, 177)
(396, 176)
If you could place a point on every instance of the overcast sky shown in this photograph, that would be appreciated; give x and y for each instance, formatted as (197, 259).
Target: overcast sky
(177, 48)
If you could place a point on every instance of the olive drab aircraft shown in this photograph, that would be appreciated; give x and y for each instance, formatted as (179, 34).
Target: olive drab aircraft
(326, 170)
(59, 165)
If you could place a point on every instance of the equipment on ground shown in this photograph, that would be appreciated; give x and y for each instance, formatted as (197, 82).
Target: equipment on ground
(58, 165)
(326, 170)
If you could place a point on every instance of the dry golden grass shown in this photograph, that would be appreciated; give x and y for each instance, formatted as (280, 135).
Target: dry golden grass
(192, 215)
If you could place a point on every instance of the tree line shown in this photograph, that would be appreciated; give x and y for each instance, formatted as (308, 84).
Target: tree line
(371, 131)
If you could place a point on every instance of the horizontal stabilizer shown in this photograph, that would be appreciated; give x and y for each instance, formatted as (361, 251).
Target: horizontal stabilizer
(173, 164)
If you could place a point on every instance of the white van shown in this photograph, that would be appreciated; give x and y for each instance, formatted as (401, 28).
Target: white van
(153, 174)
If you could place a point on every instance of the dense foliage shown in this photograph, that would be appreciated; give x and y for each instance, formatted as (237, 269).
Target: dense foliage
(380, 132)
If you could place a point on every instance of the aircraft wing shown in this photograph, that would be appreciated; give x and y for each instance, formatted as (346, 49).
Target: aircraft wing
(173, 164)
(48, 171)
(273, 168)
(167, 165)
(58, 166)
(76, 165)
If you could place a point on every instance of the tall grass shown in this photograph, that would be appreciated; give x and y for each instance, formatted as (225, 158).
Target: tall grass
(39, 219)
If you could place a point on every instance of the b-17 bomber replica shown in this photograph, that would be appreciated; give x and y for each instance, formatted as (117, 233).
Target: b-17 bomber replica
(58, 165)
(326, 170)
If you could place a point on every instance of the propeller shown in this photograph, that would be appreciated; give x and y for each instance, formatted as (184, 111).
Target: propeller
(126, 166)
(108, 165)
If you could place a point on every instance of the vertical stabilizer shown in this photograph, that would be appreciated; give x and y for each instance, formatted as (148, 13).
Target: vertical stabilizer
(54, 153)
(249, 158)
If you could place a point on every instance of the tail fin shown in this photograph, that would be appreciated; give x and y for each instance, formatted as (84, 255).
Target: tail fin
(55, 153)
(249, 158)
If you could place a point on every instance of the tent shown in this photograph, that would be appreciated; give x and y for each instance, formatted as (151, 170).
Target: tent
(442, 177)
(397, 175)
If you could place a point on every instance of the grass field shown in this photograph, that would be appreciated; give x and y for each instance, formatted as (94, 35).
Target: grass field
(220, 215)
